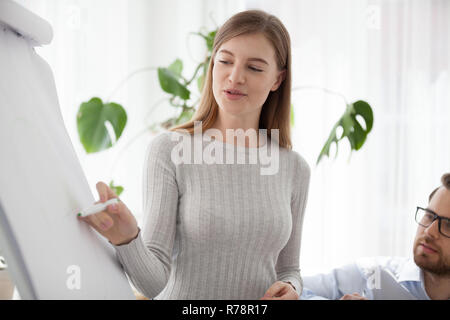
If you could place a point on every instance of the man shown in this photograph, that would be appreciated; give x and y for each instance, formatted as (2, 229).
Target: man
(425, 277)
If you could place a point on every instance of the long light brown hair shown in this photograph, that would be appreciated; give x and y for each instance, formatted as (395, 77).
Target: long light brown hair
(275, 113)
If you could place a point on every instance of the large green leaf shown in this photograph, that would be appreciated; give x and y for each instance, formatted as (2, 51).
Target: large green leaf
(200, 81)
(176, 67)
(210, 40)
(117, 189)
(169, 82)
(91, 118)
(351, 128)
(364, 110)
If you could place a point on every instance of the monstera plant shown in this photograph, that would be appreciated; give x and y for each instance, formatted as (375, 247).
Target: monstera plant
(351, 128)
(95, 116)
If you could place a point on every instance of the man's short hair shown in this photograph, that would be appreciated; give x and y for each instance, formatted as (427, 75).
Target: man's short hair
(445, 182)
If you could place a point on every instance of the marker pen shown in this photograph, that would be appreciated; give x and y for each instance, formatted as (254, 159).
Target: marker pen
(98, 207)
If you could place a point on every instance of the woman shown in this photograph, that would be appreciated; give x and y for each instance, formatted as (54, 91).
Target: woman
(221, 231)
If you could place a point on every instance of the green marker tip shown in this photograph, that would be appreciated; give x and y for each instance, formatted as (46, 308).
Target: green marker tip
(79, 214)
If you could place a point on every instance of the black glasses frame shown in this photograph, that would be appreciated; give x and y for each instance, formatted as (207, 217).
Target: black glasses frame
(435, 216)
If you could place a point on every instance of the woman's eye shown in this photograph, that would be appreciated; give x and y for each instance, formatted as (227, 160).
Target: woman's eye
(250, 67)
(255, 69)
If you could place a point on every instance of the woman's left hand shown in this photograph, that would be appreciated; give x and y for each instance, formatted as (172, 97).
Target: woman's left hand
(280, 291)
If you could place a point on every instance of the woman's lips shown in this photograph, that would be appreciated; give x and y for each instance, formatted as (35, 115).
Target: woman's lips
(234, 96)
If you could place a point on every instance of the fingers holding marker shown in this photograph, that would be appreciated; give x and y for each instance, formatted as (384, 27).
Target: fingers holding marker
(98, 215)
(115, 207)
(103, 220)
(104, 191)
(99, 221)
(98, 207)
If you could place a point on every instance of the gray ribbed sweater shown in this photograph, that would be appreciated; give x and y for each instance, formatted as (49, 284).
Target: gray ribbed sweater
(217, 231)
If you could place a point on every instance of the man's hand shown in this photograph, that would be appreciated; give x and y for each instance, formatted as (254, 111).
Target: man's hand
(353, 296)
(280, 291)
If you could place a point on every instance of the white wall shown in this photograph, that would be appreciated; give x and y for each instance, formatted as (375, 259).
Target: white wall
(99, 43)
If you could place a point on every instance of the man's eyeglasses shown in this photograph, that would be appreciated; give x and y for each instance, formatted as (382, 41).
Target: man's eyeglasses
(425, 217)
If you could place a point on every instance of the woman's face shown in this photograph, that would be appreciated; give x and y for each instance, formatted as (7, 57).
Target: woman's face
(244, 73)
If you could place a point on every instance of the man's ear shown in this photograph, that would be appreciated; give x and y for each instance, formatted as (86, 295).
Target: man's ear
(280, 79)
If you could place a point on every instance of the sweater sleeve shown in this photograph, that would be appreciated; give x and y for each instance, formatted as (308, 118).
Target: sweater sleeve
(288, 260)
(147, 259)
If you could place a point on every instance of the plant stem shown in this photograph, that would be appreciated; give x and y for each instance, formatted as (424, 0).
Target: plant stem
(153, 108)
(127, 78)
(129, 143)
(211, 13)
(195, 74)
(322, 89)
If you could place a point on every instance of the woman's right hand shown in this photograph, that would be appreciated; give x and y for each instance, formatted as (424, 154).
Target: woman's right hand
(119, 226)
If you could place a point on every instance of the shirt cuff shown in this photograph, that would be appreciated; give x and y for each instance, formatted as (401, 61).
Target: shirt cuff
(298, 286)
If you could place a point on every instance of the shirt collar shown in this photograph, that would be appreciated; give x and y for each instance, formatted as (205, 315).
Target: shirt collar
(410, 272)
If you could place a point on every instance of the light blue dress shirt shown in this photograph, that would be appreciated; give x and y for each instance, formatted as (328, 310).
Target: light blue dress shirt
(378, 278)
